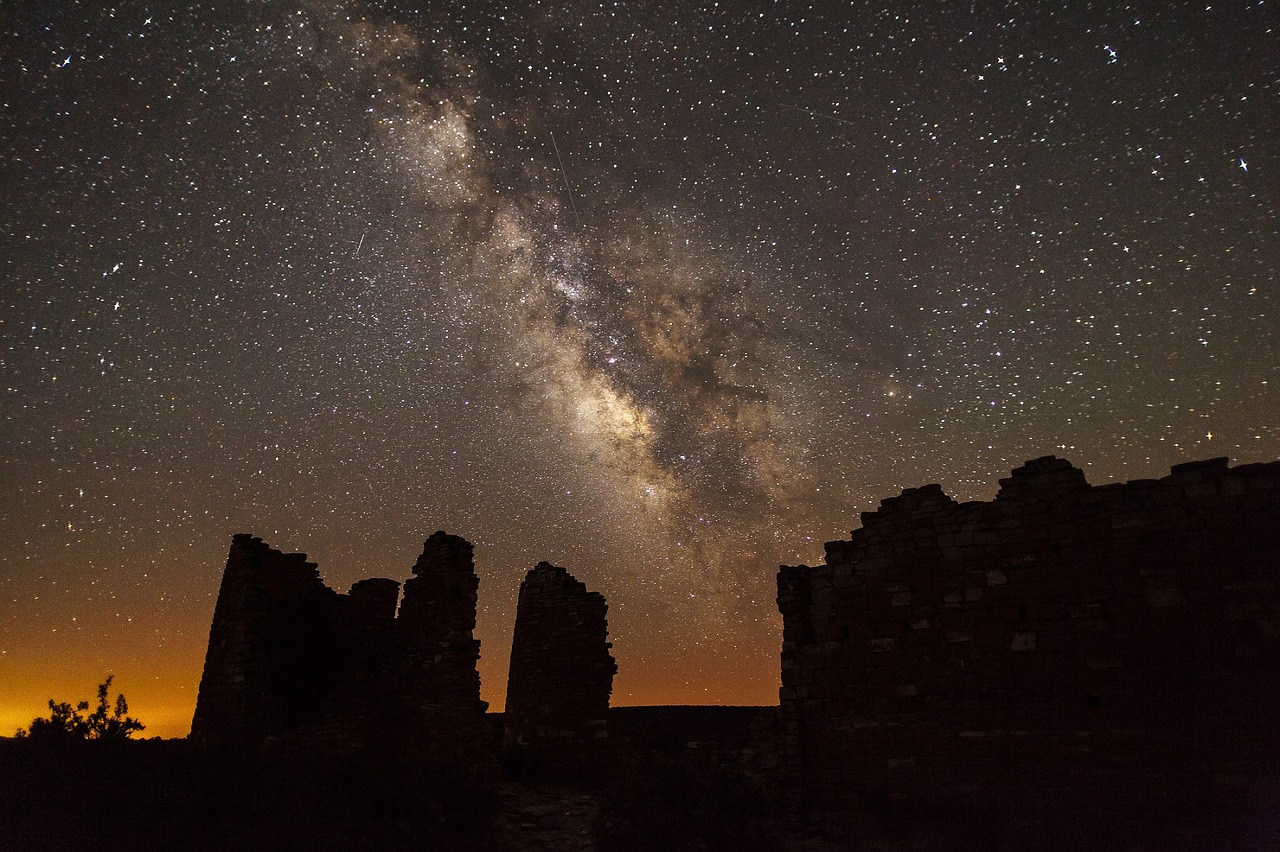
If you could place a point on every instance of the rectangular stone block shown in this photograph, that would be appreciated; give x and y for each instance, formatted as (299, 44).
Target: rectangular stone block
(1023, 642)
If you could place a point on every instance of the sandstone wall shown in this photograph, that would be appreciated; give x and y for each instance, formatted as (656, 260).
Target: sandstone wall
(265, 669)
(1064, 640)
(561, 673)
(295, 665)
(437, 684)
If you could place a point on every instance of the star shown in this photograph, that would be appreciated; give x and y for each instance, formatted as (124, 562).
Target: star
(643, 291)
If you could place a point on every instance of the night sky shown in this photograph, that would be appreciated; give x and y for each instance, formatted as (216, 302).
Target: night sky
(664, 293)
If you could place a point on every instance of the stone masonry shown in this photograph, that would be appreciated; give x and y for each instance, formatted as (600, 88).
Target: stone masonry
(438, 685)
(1062, 642)
(291, 660)
(273, 631)
(561, 673)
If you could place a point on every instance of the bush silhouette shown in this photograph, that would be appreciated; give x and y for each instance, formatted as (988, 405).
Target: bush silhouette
(67, 724)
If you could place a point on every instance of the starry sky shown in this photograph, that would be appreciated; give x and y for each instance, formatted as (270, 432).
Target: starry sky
(663, 293)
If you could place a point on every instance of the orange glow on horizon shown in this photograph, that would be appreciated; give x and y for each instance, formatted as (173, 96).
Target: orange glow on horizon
(165, 703)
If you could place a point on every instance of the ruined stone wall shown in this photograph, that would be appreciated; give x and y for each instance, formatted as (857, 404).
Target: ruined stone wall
(438, 686)
(264, 670)
(1062, 640)
(293, 663)
(561, 673)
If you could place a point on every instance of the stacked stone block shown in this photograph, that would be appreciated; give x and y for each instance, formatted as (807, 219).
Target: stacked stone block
(1063, 639)
(438, 684)
(561, 673)
(293, 663)
(264, 670)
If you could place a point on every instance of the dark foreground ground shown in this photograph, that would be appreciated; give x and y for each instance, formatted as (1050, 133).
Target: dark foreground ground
(683, 779)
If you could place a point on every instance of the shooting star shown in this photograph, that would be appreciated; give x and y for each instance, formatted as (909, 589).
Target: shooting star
(359, 245)
(565, 176)
(818, 114)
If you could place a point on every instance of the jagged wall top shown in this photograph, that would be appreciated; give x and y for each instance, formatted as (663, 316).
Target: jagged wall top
(288, 656)
(1055, 481)
(545, 575)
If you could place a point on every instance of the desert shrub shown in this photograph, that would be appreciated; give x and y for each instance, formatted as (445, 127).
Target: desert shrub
(108, 722)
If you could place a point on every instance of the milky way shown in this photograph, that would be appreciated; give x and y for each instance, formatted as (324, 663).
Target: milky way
(666, 295)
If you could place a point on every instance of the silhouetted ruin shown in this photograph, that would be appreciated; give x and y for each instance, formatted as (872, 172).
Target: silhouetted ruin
(561, 673)
(1066, 660)
(438, 687)
(1063, 644)
(275, 630)
(289, 658)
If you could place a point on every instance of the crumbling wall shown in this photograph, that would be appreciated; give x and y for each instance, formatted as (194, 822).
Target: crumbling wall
(561, 673)
(293, 662)
(1060, 641)
(438, 685)
(265, 667)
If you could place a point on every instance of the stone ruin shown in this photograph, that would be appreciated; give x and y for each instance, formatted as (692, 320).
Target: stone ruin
(1067, 645)
(1062, 643)
(291, 660)
(561, 674)
(438, 685)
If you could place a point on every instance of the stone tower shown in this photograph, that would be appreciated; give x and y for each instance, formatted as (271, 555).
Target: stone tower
(265, 670)
(443, 716)
(561, 672)
(293, 662)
